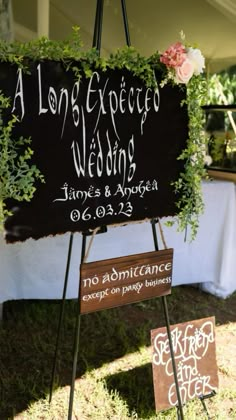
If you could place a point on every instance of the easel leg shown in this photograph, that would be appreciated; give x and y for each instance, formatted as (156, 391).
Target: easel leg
(180, 407)
(205, 408)
(165, 308)
(125, 19)
(97, 34)
(76, 340)
(61, 315)
(1, 312)
(202, 398)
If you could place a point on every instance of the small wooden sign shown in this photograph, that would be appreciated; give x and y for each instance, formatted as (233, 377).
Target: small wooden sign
(195, 359)
(119, 281)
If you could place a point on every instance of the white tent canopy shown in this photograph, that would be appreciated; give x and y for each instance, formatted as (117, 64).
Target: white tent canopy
(153, 24)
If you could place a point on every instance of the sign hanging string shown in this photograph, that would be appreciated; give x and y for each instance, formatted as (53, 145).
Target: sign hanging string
(162, 234)
(90, 244)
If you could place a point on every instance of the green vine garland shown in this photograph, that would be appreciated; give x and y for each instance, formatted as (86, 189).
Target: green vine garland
(189, 184)
(17, 177)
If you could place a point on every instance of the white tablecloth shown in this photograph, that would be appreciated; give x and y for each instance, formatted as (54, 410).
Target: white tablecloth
(35, 269)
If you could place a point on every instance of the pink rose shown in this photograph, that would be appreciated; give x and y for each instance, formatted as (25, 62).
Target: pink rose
(184, 72)
(174, 56)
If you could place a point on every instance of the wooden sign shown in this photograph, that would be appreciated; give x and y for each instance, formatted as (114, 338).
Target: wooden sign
(107, 147)
(195, 359)
(119, 281)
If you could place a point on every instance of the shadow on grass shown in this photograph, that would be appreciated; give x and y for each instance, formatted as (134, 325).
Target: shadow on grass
(135, 387)
(28, 336)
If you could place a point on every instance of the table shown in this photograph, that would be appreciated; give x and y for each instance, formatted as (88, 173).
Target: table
(35, 269)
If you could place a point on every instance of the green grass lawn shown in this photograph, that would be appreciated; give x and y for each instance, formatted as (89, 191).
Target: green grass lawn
(114, 375)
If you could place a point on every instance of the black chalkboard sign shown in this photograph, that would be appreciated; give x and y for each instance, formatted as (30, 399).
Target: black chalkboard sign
(107, 146)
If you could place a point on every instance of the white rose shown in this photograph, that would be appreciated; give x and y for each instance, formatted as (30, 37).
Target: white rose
(207, 160)
(195, 55)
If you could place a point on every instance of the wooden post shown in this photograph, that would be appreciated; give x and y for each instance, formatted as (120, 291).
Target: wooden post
(43, 8)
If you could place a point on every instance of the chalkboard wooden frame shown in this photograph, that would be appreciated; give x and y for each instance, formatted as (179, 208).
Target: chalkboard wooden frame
(108, 147)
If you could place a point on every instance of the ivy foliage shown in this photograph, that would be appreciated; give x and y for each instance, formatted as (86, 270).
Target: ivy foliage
(16, 168)
(17, 176)
(71, 50)
(189, 184)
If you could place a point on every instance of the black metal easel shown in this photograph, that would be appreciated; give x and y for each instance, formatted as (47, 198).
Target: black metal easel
(97, 44)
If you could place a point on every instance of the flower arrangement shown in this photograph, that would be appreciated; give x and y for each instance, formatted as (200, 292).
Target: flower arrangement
(185, 65)
(183, 62)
